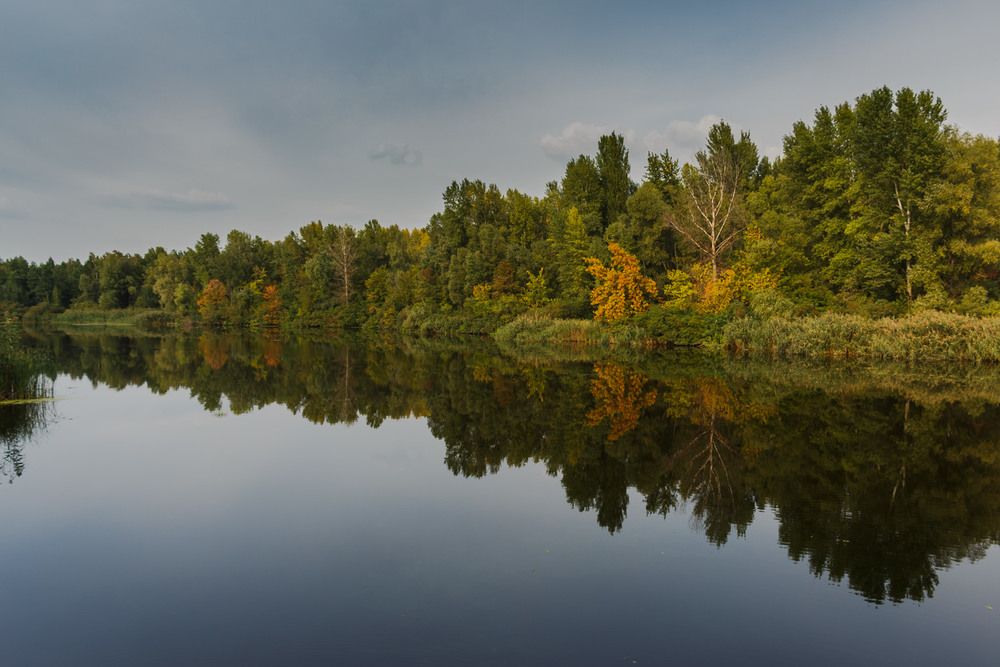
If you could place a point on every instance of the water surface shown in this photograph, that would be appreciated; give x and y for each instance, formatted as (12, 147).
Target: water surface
(207, 499)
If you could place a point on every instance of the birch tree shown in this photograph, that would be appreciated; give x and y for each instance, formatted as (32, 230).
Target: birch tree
(712, 214)
(343, 253)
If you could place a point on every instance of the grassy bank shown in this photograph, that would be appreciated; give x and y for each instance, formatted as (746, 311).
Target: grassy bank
(926, 336)
(529, 330)
(129, 317)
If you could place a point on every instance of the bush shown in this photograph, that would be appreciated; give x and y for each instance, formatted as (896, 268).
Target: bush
(770, 303)
(680, 327)
(40, 312)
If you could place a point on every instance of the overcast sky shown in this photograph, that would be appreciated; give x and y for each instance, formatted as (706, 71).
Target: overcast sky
(128, 124)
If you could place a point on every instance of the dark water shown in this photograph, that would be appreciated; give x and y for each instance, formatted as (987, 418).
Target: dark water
(237, 500)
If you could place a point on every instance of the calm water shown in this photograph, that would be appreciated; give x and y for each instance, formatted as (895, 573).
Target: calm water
(236, 500)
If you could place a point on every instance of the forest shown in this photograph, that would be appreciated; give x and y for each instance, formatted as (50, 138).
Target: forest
(875, 209)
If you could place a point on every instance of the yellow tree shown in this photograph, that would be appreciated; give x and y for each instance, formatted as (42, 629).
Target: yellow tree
(621, 289)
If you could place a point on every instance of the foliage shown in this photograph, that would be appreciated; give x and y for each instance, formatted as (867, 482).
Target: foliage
(875, 208)
(213, 303)
(621, 289)
(680, 327)
(272, 306)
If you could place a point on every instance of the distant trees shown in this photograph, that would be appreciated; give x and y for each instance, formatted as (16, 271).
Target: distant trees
(858, 201)
(875, 207)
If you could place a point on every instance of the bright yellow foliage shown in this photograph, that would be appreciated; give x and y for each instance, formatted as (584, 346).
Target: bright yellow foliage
(621, 288)
(740, 281)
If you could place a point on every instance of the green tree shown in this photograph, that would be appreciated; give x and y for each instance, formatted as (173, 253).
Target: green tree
(614, 176)
(966, 202)
(571, 249)
(899, 154)
(663, 173)
(582, 189)
(644, 230)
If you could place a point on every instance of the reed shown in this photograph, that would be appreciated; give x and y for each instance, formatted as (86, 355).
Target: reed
(22, 370)
(924, 336)
(535, 330)
(131, 317)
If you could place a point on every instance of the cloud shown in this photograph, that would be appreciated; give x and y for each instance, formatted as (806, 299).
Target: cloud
(158, 200)
(578, 138)
(682, 136)
(398, 154)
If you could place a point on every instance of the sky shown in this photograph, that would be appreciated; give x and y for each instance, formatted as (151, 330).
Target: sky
(127, 125)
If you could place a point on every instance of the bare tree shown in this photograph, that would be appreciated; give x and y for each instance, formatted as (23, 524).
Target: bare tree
(712, 215)
(344, 255)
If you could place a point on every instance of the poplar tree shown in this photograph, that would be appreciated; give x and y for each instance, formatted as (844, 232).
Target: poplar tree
(613, 170)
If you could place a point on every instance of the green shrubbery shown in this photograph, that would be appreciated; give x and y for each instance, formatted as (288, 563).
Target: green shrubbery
(669, 326)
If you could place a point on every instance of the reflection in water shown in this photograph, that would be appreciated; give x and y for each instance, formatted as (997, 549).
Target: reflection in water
(876, 479)
(621, 398)
(19, 422)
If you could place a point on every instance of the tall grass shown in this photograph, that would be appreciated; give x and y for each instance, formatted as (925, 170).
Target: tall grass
(535, 330)
(925, 336)
(131, 317)
(22, 370)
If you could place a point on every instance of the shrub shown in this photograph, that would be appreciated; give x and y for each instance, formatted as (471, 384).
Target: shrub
(680, 327)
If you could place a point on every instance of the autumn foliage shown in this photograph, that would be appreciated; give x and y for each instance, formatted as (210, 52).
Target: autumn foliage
(272, 306)
(621, 289)
(213, 301)
(214, 350)
(620, 396)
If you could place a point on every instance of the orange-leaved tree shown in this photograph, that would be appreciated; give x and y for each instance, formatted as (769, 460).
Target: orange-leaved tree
(621, 289)
(272, 306)
(213, 302)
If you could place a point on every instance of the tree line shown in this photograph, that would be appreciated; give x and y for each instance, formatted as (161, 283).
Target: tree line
(876, 207)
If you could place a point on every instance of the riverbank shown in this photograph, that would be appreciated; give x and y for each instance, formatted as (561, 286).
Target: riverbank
(923, 336)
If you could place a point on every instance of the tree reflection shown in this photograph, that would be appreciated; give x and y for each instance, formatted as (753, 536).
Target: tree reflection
(620, 396)
(875, 481)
